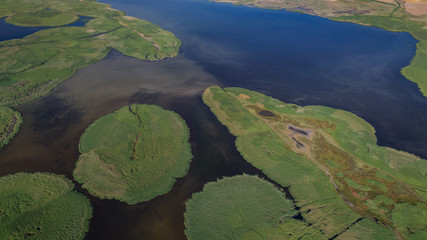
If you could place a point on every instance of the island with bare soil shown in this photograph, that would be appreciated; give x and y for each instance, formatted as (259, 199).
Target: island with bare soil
(330, 160)
(134, 154)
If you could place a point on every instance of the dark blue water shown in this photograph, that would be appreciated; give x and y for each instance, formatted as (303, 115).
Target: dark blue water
(295, 57)
(301, 59)
(10, 31)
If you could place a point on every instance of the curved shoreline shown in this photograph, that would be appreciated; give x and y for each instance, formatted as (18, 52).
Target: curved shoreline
(394, 18)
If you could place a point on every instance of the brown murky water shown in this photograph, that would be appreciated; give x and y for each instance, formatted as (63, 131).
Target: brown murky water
(48, 140)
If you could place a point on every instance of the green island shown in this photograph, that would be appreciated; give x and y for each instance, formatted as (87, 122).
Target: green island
(392, 15)
(42, 18)
(330, 161)
(31, 67)
(10, 122)
(42, 206)
(134, 154)
(247, 207)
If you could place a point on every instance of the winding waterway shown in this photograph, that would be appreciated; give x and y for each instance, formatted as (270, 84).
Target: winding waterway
(295, 57)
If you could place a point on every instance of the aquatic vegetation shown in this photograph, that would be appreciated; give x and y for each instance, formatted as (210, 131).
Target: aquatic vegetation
(247, 207)
(10, 122)
(330, 160)
(42, 206)
(242, 207)
(392, 15)
(133, 154)
(31, 67)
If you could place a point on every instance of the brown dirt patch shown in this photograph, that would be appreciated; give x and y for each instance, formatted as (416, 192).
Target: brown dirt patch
(244, 96)
(260, 105)
(416, 9)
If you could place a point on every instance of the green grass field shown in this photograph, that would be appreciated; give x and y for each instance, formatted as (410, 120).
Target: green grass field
(134, 154)
(337, 173)
(42, 206)
(10, 122)
(31, 67)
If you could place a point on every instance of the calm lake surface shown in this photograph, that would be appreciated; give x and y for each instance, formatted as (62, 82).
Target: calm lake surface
(295, 57)
(9, 31)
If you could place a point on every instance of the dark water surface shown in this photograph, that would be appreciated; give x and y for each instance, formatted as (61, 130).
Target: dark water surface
(294, 57)
(10, 31)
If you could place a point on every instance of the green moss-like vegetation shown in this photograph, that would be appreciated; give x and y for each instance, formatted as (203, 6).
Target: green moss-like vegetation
(10, 122)
(366, 230)
(328, 157)
(33, 66)
(45, 17)
(243, 207)
(42, 206)
(133, 154)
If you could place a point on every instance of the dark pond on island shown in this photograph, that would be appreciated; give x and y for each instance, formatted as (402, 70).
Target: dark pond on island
(9, 31)
(295, 57)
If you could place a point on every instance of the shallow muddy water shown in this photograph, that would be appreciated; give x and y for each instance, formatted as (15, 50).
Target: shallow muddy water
(294, 57)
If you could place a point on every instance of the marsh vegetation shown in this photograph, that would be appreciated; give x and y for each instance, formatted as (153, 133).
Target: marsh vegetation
(31, 67)
(133, 154)
(42, 206)
(244, 207)
(10, 122)
(339, 175)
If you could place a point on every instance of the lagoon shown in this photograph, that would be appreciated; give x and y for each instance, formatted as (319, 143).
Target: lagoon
(10, 31)
(295, 57)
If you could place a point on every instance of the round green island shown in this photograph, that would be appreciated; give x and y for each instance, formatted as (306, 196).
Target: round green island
(42, 18)
(133, 154)
(42, 206)
(244, 207)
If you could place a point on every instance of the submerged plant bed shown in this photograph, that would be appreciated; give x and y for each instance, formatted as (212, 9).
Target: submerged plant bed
(134, 154)
(42, 206)
(31, 67)
(10, 122)
(330, 159)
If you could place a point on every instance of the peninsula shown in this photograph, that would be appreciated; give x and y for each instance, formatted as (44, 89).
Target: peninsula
(330, 161)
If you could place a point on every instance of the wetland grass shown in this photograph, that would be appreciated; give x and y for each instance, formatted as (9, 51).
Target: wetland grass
(339, 175)
(244, 207)
(10, 122)
(133, 154)
(31, 67)
(42, 206)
